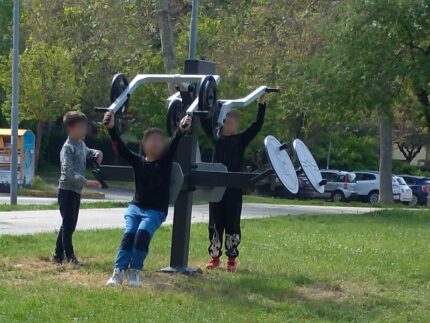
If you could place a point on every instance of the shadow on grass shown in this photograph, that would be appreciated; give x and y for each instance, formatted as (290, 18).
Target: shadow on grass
(276, 294)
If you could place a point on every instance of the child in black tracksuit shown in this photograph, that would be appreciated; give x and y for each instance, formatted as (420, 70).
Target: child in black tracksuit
(224, 216)
(149, 207)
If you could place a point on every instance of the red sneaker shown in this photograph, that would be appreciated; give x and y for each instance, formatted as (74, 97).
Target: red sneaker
(231, 264)
(214, 263)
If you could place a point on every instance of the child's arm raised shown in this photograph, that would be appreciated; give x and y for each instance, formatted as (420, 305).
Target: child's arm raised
(250, 133)
(184, 126)
(117, 143)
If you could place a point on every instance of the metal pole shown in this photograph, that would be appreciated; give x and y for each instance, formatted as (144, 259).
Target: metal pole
(14, 119)
(328, 154)
(193, 30)
(186, 157)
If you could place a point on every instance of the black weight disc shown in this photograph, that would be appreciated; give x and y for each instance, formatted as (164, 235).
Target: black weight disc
(175, 113)
(208, 94)
(211, 122)
(119, 84)
(214, 119)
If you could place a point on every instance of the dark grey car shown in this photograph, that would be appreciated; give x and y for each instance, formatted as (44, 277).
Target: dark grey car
(339, 187)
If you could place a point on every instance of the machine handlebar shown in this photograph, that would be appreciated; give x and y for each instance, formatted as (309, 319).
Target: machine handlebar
(98, 173)
(101, 109)
(272, 90)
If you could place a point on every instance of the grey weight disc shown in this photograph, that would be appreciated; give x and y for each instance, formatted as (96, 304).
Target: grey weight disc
(309, 165)
(281, 164)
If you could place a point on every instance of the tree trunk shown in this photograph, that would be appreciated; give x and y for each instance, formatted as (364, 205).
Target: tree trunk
(39, 133)
(386, 159)
(168, 44)
(424, 99)
(427, 161)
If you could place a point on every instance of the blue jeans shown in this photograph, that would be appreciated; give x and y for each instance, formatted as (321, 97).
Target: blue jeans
(140, 226)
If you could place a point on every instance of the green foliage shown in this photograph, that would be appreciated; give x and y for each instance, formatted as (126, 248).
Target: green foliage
(410, 130)
(349, 152)
(47, 83)
(5, 45)
(372, 52)
(403, 167)
(338, 63)
(6, 11)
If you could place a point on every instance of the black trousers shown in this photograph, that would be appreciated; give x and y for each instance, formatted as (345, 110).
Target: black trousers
(224, 217)
(69, 203)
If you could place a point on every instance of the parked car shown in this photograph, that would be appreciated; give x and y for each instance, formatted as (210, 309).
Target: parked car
(340, 186)
(368, 187)
(404, 191)
(270, 186)
(420, 187)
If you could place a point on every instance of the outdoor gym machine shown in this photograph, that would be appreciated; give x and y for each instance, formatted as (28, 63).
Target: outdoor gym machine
(197, 96)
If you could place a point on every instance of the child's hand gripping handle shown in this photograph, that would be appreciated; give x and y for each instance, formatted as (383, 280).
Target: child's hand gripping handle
(186, 122)
(109, 120)
(105, 110)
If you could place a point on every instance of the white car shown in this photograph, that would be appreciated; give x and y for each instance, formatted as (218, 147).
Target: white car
(403, 192)
(367, 187)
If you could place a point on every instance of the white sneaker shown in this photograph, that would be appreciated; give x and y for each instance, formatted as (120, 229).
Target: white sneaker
(133, 278)
(117, 278)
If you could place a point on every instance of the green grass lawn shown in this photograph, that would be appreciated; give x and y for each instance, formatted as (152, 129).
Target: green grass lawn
(301, 269)
(275, 200)
(321, 202)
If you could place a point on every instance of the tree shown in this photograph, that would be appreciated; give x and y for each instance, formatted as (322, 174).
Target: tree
(410, 130)
(103, 38)
(366, 63)
(6, 8)
(253, 43)
(412, 28)
(47, 86)
(168, 43)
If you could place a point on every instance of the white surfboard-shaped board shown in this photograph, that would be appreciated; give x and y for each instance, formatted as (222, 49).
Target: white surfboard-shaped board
(281, 164)
(309, 165)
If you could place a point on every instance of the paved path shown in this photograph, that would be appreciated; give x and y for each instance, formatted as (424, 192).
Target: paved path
(24, 200)
(28, 222)
(114, 193)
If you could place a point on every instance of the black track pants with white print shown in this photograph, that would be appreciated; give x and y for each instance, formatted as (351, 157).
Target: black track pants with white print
(224, 218)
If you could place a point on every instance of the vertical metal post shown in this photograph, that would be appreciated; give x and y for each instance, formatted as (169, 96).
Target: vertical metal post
(328, 154)
(14, 112)
(193, 30)
(186, 157)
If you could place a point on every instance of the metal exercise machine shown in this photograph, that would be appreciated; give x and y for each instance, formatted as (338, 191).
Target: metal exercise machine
(197, 96)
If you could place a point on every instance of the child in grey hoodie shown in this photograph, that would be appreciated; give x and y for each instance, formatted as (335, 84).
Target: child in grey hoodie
(73, 157)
